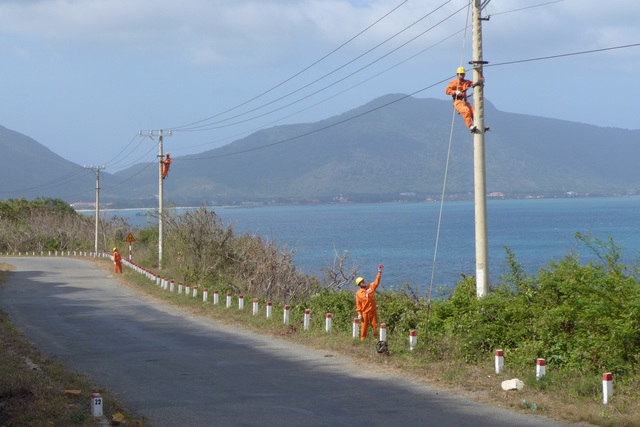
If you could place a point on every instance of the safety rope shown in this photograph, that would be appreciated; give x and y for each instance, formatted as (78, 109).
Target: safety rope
(444, 183)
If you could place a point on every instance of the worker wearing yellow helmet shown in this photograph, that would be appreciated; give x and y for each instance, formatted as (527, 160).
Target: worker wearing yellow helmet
(166, 164)
(457, 88)
(366, 305)
(117, 261)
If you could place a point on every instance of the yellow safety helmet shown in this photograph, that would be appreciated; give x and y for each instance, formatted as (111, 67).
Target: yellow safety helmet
(461, 70)
(115, 249)
(359, 280)
(168, 154)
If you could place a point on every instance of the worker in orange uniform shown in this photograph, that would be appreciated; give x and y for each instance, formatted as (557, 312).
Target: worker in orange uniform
(366, 305)
(166, 164)
(117, 261)
(457, 88)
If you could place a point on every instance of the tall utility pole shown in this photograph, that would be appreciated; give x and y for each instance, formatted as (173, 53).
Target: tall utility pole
(160, 190)
(480, 186)
(97, 169)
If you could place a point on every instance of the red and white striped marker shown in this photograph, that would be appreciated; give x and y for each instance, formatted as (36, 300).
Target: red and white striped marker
(269, 309)
(607, 387)
(216, 297)
(307, 319)
(255, 306)
(228, 299)
(179, 288)
(187, 289)
(240, 302)
(356, 328)
(205, 295)
(499, 361)
(383, 332)
(327, 322)
(172, 286)
(195, 291)
(413, 339)
(541, 368)
(286, 314)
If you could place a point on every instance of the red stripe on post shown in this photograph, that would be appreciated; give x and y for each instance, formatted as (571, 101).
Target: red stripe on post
(499, 353)
(541, 362)
(607, 376)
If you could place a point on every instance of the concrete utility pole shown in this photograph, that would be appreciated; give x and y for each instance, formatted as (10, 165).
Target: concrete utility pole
(97, 169)
(160, 190)
(480, 186)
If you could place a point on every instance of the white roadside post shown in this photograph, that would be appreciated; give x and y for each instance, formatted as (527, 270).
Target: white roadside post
(228, 299)
(286, 314)
(216, 297)
(413, 339)
(499, 361)
(255, 306)
(96, 404)
(383, 332)
(607, 387)
(240, 302)
(356, 328)
(541, 368)
(327, 322)
(307, 319)
(269, 309)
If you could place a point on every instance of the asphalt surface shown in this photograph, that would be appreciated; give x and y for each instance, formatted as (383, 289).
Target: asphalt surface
(177, 370)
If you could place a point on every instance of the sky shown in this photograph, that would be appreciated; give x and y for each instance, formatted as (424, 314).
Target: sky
(83, 77)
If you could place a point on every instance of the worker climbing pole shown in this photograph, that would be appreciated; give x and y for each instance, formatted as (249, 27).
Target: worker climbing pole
(166, 164)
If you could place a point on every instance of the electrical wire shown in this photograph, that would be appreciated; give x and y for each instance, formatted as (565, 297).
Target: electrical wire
(208, 126)
(296, 74)
(339, 80)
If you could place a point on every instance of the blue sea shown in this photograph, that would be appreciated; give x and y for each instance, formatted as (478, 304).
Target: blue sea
(403, 236)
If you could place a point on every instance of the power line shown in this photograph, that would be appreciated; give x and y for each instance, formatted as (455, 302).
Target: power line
(207, 126)
(400, 99)
(563, 55)
(296, 74)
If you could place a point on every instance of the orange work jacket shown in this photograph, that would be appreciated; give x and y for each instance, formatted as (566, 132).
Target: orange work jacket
(458, 85)
(366, 297)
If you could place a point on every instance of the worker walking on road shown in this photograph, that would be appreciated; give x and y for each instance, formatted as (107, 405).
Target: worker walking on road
(117, 261)
(366, 305)
(166, 164)
(457, 88)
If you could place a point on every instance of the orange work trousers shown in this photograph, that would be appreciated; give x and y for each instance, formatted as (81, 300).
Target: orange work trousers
(465, 109)
(117, 267)
(369, 319)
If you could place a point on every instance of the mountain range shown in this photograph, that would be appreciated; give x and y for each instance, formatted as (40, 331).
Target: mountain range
(393, 148)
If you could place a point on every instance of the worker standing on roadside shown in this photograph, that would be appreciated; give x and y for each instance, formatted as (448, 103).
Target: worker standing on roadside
(166, 164)
(366, 305)
(117, 261)
(457, 88)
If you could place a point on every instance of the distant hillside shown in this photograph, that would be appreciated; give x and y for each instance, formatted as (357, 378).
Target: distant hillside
(30, 170)
(402, 148)
(366, 154)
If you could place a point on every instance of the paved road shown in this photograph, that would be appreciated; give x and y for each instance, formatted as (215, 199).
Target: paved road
(182, 371)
